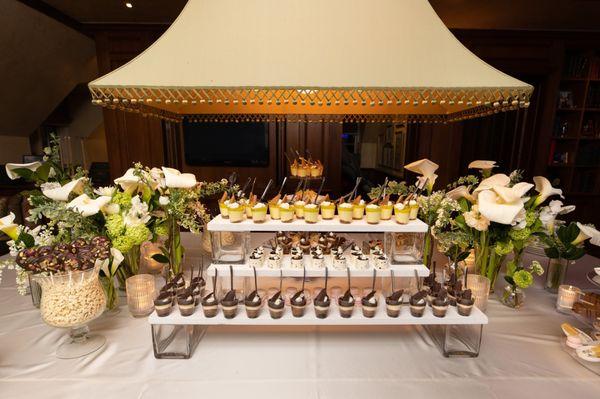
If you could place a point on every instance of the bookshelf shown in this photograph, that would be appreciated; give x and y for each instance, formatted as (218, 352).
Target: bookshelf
(574, 156)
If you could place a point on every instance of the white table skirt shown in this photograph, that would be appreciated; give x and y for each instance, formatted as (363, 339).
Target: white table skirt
(520, 357)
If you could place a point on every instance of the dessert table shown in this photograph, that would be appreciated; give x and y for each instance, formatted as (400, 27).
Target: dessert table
(521, 355)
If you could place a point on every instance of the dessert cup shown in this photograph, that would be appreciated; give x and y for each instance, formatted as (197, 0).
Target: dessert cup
(317, 261)
(418, 304)
(339, 262)
(253, 308)
(393, 303)
(373, 213)
(274, 261)
(299, 209)
(414, 209)
(345, 212)
(298, 304)
(276, 306)
(417, 310)
(196, 288)
(229, 309)
(286, 212)
(311, 213)
(361, 262)
(297, 261)
(236, 212)
(210, 305)
(358, 210)
(381, 262)
(223, 209)
(327, 210)
(439, 309)
(402, 213)
(274, 211)
(322, 307)
(186, 303)
(163, 304)
(255, 260)
(259, 212)
(346, 305)
(386, 211)
(369, 304)
(465, 304)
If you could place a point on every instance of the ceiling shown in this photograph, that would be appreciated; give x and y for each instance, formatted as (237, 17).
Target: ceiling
(462, 14)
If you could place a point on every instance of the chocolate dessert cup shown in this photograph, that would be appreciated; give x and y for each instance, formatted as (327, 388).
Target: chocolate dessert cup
(163, 304)
(186, 303)
(417, 304)
(322, 301)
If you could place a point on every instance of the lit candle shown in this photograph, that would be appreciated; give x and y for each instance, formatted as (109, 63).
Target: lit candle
(140, 294)
(480, 289)
(567, 296)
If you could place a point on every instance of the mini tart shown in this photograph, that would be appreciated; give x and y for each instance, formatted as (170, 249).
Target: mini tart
(327, 210)
(163, 304)
(393, 303)
(369, 304)
(346, 304)
(322, 303)
(276, 305)
(253, 303)
(298, 303)
(229, 304)
(210, 305)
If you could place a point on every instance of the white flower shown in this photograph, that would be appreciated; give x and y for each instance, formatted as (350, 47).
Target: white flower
(129, 182)
(496, 209)
(176, 179)
(117, 258)
(163, 200)
(484, 166)
(476, 220)
(9, 227)
(32, 166)
(108, 191)
(57, 192)
(112, 209)
(545, 189)
(156, 175)
(549, 213)
(460, 192)
(87, 206)
(138, 213)
(514, 193)
(499, 179)
(425, 168)
(587, 232)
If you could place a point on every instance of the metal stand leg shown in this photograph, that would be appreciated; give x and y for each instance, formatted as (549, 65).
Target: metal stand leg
(457, 340)
(175, 341)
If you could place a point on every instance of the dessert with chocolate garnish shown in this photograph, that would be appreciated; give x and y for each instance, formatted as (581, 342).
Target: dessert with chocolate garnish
(229, 303)
(465, 303)
(186, 302)
(346, 301)
(393, 303)
(276, 303)
(163, 304)
(179, 282)
(253, 301)
(418, 303)
(440, 304)
(322, 300)
(297, 261)
(369, 301)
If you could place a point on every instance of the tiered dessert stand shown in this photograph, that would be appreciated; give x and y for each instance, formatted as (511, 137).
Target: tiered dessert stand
(175, 336)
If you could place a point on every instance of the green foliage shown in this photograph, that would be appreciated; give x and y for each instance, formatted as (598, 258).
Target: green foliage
(560, 244)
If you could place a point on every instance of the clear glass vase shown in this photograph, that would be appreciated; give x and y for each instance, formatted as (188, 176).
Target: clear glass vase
(35, 290)
(71, 300)
(513, 297)
(556, 273)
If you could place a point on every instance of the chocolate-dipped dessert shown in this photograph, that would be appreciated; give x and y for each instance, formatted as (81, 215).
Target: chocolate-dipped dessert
(253, 301)
(305, 245)
(186, 302)
(171, 289)
(393, 303)
(433, 291)
(179, 282)
(229, 303)
(440, 304)
(163, 304)
(276, 303)
(454, 293)
(418, 303)
(465, 304)
(298, 301)
(346, 301)
(369, 301)
(322, 300)
(210, 302)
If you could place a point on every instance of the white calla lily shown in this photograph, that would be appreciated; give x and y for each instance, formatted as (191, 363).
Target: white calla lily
(545, 189)
(587, 232)
(494, 208)
(117, 258)
(9, 227)
(176, 179)
(425, 168)
(460, 192)
(32, 166)
(485, 166)
(514, 193)
(549, 213)
(57, 192)
(129, 182)
(499, 179)
(87, 206)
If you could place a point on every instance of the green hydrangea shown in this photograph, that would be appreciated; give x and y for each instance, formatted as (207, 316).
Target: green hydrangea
(523, 278)
(504, 247)
(123, 243)
(137, 234)
(519, 234)
(115, 226)
(536, 268)
(123, 199)
(530, 217)
(161, 229)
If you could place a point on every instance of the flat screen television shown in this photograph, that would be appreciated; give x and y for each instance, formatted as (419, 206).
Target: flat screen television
(226, 144)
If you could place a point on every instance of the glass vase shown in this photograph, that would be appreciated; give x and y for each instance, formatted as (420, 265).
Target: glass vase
(175, 247)
(112, 294)
(488, 263)
(35, 290)
(71, 300)
(512, 296)
(129, 267)
(556, 273)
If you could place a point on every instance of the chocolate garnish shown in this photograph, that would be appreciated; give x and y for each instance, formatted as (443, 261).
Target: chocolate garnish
(418, 298)
(164, 298)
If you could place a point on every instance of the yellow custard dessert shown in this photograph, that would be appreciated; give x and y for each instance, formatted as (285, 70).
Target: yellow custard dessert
(414, 209)
(345, 212)
(386, 210)
(311, 213)
(223, 209)
(358, 211)
(259, 212)
(274, 210)
(286, 212)
(236, 212)
(402, 213)
(327, 210)
(373, 213)
(299, 208)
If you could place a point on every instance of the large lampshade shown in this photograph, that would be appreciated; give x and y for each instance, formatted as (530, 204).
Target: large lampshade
(379, 59)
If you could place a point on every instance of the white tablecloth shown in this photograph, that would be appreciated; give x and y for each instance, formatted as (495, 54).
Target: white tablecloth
(520, 357)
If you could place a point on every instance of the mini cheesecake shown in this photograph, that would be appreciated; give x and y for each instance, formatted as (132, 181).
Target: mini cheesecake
(163, 304)
(259, 212)
(373, 213)
(210, 305)
(317, 260)
(322, 303)
(358, 210)
(393, 303)
(255, 260)
(298, 303)
(402, 213)
(361, 262)
(417, 304)
(274, 261)
(274, 210)
(276, 305)
(346, 304)
(311, 213)
(327, 210)
(345, 212)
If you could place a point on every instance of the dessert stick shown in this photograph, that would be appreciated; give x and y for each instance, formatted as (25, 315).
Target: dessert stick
(418, 280)
(353, 193)
(252, 187)
(320, 189)
(290, 197)
(255, 280)
(282, 185)
(374, 278)
(241, 193)
(232, 179)
(262, 197)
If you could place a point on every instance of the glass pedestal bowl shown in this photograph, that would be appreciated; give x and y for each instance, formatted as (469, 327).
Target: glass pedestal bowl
(71, 300)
